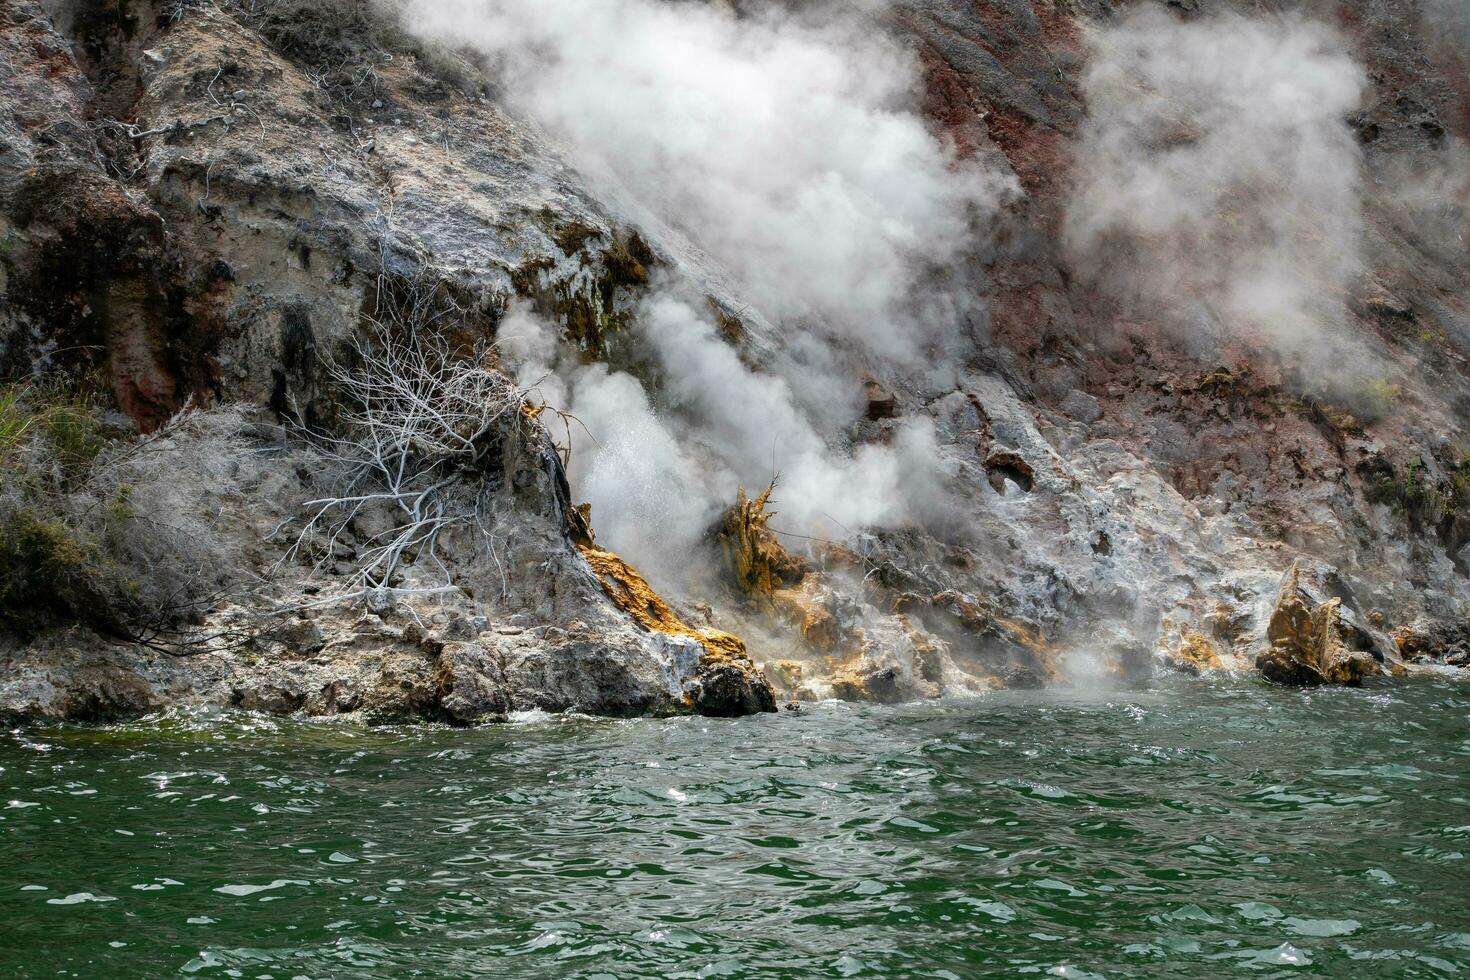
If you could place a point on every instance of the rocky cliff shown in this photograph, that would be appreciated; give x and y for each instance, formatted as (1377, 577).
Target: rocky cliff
(302, 303)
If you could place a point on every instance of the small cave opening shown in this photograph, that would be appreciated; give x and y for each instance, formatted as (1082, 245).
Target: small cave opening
(1006, 466)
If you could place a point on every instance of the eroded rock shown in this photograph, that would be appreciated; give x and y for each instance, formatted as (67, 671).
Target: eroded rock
(1191, 651)
(726, 682)
(1434, 642)
(1311, 640)
(727, 686)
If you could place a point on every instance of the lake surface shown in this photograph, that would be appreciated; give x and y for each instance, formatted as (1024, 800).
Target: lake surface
(1183, 829)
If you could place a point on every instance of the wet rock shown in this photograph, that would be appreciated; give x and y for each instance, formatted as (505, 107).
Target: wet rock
(272, 698)
(786, 674)
(725, 687)
(472, 687)
(1128, 659)
(590, 675)
(725, 682)
(1310, 641)
(868, 683)
(338, 696)
(1230, 623)
(1192, 652)
(1317, 583)
(808, 609)
(1436, 641)
(406, 690)
(1019, 677)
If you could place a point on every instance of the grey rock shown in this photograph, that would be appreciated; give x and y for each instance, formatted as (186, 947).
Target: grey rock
(1082, 407)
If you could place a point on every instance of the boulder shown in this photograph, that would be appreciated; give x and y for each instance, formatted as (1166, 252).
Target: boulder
(864, 681)
(730, 687)
(1311, 640)
(1082, 407)
(472, 685)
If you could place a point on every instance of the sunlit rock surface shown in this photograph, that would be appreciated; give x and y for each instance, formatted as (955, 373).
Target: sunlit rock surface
(1314, 635)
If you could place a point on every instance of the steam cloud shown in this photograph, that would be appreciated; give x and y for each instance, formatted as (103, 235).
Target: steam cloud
(657, 481)
(1218, 180)
(790, 150)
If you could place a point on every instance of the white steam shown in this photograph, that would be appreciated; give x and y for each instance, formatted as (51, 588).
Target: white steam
(657, 481)
(1218, 181)
(790, 150)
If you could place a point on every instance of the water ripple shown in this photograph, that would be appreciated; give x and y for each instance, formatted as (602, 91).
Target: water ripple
(1184, 829)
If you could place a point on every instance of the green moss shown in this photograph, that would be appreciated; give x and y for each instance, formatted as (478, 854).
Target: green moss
(623, 270)
(525, 278)
(16, 419)
(587, 311)
(65, 423)
(1240, 389)
(572, 238)
(640, 250)
(51, 573)
(52, 576)
(1328, 416)
(120, 507)
(76, 436)
(1379, 396)
(1426, 504)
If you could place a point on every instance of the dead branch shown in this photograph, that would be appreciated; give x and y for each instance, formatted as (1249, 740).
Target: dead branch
(416, 436)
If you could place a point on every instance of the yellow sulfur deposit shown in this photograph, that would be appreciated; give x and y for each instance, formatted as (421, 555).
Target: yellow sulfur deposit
(766, 572)
(1192, 652)
(1309, 643)
(632, 593)
(760, 563)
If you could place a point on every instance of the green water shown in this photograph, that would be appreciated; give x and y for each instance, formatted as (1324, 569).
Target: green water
(1184, 829)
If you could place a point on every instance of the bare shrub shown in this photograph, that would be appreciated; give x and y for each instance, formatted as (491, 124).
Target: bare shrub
(343, 43)
(415, 457)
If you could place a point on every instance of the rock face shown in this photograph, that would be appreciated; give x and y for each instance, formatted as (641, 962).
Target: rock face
(1192, 652)
(1314, 638)
(1442, 642)
(207, 204)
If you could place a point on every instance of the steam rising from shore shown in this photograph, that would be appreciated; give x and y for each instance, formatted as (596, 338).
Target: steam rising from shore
(657, 481)
(1218, 180)
(791, 151)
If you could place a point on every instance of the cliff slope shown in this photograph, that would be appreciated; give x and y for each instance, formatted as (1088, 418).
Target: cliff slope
(1115, 331)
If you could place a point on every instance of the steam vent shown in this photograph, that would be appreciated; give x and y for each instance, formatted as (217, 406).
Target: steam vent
(750, 371)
